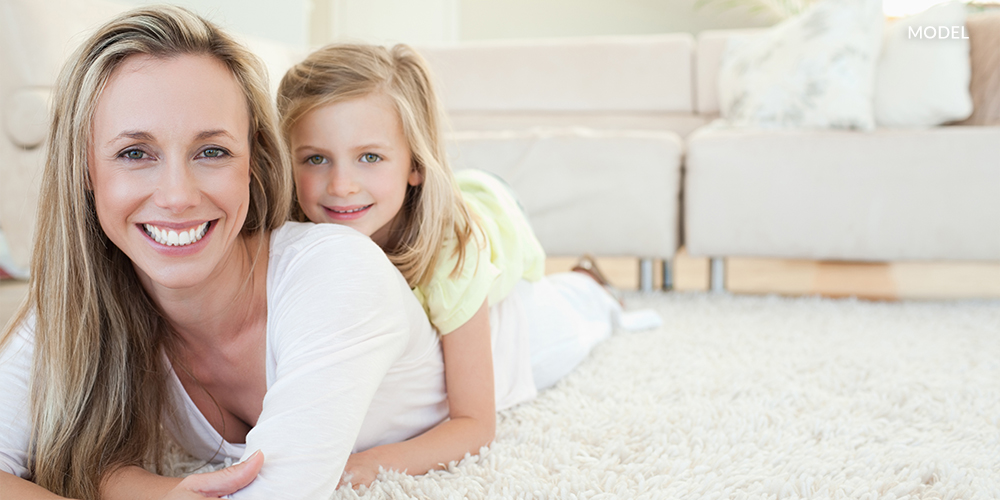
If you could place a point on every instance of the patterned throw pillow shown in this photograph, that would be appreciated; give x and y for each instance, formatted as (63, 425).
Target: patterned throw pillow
(984, 38)
(815, 70)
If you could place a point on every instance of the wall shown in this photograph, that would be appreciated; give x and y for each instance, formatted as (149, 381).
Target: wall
(491, 19)
(287, 21)
(421, 21)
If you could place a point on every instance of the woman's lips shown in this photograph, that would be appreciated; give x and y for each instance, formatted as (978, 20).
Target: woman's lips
(351, 212)
(177, 238)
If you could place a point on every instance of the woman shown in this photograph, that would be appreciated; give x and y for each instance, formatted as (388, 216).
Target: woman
(168, 292)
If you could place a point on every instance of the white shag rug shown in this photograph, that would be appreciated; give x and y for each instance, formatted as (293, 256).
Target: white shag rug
(741, 397)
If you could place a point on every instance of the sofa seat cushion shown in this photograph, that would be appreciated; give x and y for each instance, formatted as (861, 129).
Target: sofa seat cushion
(605, 192)
(880, 196)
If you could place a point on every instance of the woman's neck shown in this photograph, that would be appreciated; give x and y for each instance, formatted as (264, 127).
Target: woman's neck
(217, 310)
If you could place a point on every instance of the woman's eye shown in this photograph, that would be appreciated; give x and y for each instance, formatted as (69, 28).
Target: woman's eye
(315, 159)
(213, 153)
(370, 158)
(134, 154)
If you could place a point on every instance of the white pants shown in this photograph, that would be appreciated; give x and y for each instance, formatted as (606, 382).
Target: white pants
(543, 330)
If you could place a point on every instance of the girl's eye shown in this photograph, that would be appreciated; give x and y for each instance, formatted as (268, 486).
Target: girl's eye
(370, 158)
(213, 153)
(316, 159)
(134, 154)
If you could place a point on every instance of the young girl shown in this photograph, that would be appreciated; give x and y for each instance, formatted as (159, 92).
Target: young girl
(364, 128)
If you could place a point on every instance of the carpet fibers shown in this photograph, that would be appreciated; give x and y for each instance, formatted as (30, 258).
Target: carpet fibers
(739, 397)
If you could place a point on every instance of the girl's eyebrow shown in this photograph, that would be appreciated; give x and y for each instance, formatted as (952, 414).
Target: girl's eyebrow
(375, 145)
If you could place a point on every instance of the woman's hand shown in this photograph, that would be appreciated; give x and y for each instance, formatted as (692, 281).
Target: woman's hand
(361, 469)
(219, 483)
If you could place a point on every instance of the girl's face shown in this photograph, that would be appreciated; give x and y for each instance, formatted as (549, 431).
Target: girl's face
(352, 165)
(169, 164)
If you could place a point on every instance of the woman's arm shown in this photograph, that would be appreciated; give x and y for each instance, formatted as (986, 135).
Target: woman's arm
(15, 487)
(134, 483)
(468, 368)
(338, 320)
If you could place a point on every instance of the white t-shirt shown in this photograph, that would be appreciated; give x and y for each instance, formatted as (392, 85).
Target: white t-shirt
(352, 363)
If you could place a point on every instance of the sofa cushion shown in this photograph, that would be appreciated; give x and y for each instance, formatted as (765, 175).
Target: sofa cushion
(984, 38)
(892, 194)
(606, 192)
(626, 74)
(681, 124)
(922, 82)
(815, 70)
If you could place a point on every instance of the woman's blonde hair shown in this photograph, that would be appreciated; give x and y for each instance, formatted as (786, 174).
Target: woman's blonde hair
(432, 211)
(98, 387)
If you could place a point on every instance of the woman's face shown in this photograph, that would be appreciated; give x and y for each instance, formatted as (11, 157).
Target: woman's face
(169, 164)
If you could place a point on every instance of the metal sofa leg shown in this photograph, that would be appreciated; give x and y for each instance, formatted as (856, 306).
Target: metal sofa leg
(646, 275)
(668, 275)
(717, 275)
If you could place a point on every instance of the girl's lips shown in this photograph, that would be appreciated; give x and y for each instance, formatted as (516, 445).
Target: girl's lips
(347, 213)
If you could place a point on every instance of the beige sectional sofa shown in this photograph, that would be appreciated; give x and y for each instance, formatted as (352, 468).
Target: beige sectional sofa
(610, 146)
(552, 117)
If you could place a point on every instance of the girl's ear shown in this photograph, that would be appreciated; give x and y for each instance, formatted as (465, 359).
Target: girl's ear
(415, 178)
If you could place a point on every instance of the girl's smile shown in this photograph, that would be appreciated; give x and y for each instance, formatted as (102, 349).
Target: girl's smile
(347, 213)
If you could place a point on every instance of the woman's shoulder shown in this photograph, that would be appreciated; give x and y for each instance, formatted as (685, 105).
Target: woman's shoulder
(298, 235)
(308, 251)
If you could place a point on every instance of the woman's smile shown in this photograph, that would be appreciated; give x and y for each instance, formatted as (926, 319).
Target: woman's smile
(171, 237)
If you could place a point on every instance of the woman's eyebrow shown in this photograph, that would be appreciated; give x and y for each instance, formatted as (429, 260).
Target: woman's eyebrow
(132, 134)
(208, 134)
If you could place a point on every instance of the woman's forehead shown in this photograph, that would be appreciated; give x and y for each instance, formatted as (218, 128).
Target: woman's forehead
(187, 93)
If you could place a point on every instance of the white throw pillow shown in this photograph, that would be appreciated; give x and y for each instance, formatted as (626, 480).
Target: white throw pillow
(921, 81)
(815, 70)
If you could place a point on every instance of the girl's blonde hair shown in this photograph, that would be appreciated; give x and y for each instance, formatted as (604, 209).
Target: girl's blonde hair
(98, 387)
(432, 211)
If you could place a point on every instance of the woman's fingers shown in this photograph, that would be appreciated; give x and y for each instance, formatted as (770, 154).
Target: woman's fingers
(225, 481)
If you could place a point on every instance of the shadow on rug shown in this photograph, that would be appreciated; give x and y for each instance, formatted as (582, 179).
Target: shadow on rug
(756, 398)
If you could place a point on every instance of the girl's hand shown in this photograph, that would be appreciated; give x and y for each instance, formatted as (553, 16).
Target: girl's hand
(219, 483)
(361, 469)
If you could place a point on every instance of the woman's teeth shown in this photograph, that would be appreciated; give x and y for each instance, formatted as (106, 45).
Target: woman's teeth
(173, 238)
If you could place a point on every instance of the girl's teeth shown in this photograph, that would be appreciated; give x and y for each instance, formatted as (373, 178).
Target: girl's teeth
(170, 237)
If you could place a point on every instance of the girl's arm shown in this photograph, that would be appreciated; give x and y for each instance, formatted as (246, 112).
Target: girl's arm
(468, 369)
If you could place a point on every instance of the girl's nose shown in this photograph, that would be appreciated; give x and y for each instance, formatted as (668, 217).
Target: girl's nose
(341, 183)
(177, 189)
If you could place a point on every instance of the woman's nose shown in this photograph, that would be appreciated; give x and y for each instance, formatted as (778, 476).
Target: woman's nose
(178, 188)
(341, 183)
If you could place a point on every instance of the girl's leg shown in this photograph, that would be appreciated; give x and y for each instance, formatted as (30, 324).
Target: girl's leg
(567, 315)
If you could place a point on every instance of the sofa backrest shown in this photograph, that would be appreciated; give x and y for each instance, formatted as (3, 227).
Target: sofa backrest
(629, 74)
(708, 56)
